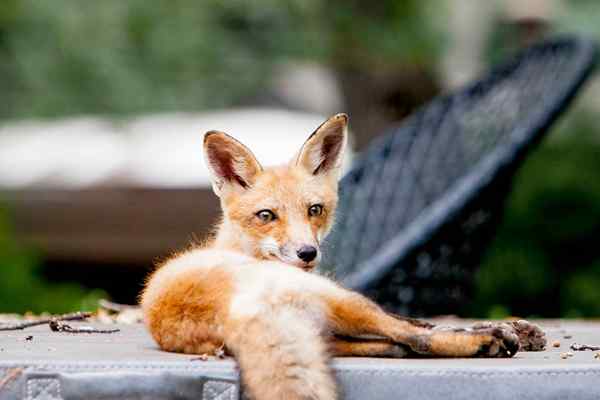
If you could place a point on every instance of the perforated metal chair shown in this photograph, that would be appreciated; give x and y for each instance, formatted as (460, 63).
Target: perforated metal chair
(421, 204)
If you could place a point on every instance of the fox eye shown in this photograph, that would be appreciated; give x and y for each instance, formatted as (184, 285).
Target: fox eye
(266, 215)
(315, 210)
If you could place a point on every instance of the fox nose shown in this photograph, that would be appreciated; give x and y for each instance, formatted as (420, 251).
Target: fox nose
(307, 253)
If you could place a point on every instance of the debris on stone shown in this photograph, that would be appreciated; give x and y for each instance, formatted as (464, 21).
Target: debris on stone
(565, 355)
(42, 320)
(59, 326)
(556, 343)
(583, 347)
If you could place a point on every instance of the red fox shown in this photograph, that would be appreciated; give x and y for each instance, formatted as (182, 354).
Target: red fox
(250, 290)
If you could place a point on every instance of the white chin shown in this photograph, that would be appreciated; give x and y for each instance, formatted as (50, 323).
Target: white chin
(303, 265)
(295, 263)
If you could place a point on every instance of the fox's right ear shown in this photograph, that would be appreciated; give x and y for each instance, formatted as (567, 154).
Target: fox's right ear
(232, 165)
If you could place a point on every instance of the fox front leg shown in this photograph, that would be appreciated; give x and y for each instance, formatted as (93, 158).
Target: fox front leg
(360, 347)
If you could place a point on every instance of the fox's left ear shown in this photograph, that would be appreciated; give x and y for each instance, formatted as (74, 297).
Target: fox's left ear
(323, 151)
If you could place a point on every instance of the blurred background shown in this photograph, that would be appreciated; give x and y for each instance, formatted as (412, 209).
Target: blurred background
(104, 105)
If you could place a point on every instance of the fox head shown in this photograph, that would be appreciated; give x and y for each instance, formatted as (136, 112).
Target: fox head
(278, 213)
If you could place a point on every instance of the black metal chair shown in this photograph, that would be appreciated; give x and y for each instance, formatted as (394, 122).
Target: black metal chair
(421, 204)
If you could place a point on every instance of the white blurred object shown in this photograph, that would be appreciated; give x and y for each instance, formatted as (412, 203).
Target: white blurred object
(542, 9)
(470, 24)
(74, 152)
(160, 150)
(311, 87)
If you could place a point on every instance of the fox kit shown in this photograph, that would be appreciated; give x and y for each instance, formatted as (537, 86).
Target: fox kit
(250, 289)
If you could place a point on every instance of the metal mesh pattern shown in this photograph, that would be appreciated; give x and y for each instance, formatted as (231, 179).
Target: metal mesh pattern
(431, 175)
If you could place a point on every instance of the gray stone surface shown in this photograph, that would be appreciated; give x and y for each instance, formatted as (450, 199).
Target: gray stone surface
(128, 364)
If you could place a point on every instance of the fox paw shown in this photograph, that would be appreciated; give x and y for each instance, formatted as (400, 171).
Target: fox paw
(531, 337)
(502, 341)
(480, 341)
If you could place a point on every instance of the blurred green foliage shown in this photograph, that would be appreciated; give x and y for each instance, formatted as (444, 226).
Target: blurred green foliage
(22, 287)
(69, 57)
(383, 34)
(65, 57)
(545, 260)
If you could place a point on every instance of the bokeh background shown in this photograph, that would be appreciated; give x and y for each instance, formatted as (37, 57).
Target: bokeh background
(81, 80)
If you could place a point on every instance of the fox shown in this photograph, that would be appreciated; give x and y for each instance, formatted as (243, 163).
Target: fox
(251, 289)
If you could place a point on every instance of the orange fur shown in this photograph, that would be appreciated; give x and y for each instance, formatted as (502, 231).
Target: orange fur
(247, 290)
(342, 347)
(183, 318)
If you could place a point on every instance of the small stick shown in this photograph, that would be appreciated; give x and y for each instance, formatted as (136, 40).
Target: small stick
(201, 357)
(582, 347)
(77, 316)
(220, 352)
(58, 326)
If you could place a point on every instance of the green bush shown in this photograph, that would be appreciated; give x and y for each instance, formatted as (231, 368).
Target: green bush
(70, 57)
(545, 260)
(22, 287)
(66, 57)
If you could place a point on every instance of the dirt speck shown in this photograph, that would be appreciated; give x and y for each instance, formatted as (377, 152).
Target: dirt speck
(556, 343)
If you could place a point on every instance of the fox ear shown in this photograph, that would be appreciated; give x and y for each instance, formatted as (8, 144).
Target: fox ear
(230, 162)
(322, 152)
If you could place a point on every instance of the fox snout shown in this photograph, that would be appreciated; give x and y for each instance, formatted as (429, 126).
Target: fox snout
(307, 253)
(305, 256)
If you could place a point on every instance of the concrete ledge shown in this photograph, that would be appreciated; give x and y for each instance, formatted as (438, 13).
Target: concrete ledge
(129, 365)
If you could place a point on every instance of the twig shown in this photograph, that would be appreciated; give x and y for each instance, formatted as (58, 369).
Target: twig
(10, 376)
(77, 316)
(220, 352)
(58, 326)
(115, 307)
(582, 347)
